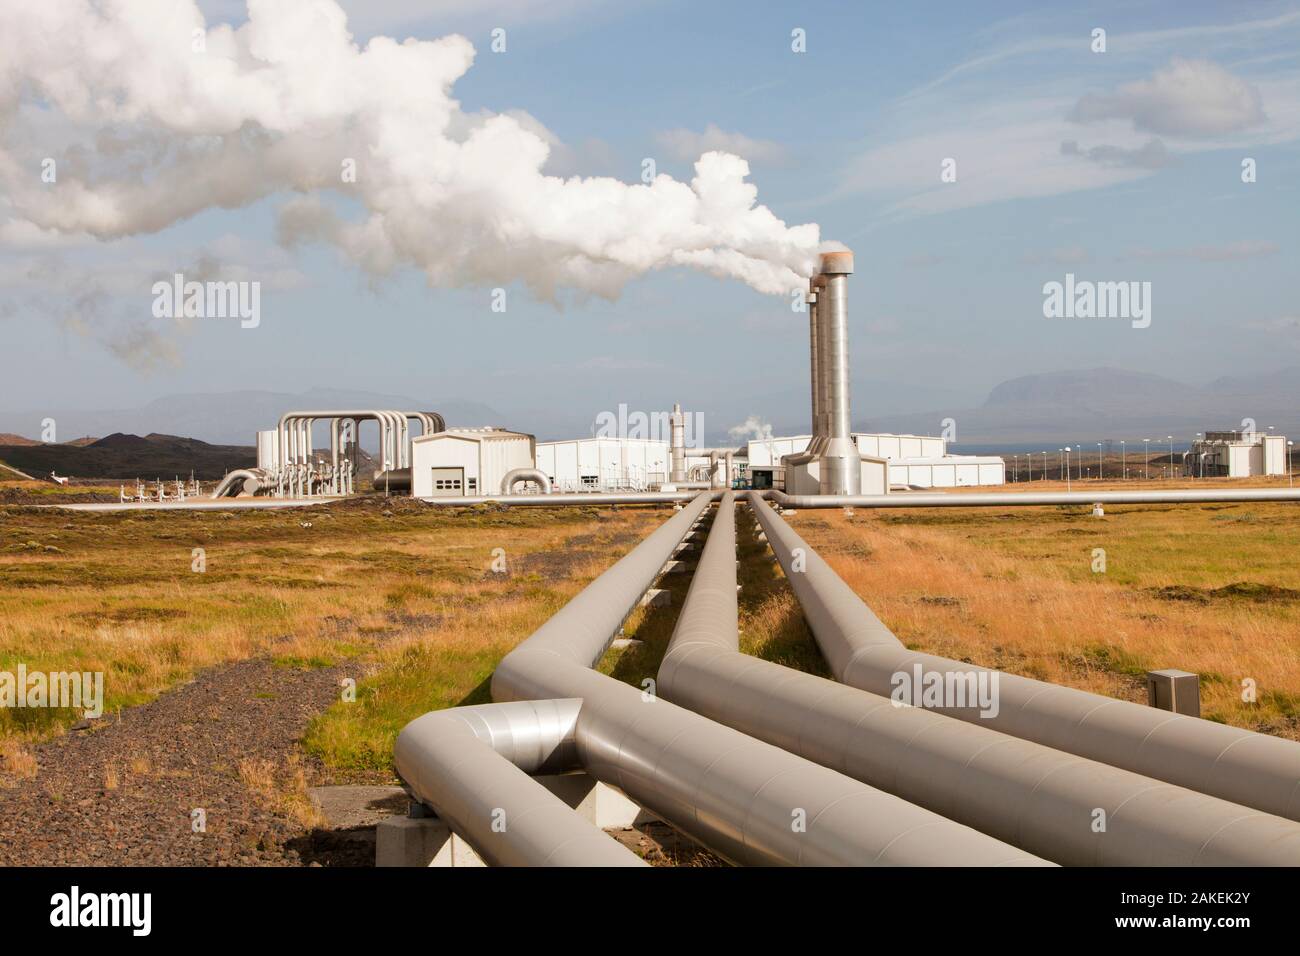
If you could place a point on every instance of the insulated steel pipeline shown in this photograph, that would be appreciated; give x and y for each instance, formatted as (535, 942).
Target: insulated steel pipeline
(1251, 769)
(748, 801)
(1006, 499)
(1043, 800)
(472, 765)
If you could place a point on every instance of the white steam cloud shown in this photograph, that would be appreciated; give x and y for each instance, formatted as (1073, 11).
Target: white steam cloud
(152, 116)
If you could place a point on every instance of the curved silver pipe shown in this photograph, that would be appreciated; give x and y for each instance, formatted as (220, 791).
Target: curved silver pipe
(1011, 499)
(516, 475)
(472, 765)
(1251, 769)
(240, 476)
(1043, 800)
(748, 801)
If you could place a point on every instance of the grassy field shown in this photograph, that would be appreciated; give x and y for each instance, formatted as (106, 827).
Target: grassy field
(407, 595)
(1213, 589)
(406, 592)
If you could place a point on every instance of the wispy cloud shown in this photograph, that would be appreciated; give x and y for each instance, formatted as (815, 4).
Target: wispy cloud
(687, 145)
(1089, 121)
(1229, 252)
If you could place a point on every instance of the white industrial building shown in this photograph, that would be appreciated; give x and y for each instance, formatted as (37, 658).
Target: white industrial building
(467, 461)
(1237, 455)
(915, 461)
(604, 464)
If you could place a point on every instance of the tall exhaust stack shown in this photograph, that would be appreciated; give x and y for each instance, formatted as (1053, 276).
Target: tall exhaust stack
(677, 430)
(840, 466)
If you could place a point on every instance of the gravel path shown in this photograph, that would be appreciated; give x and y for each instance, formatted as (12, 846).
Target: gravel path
(122, 794)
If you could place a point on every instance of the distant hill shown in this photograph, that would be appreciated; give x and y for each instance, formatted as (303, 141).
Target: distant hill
(236, 417)
(1090, 405)
(125, 457)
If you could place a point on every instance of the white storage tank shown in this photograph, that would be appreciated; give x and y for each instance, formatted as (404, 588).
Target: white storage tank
(268, 449)
(467, 461)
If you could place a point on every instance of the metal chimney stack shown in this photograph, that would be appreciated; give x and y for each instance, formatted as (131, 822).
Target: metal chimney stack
(677, 429)
(840, 465)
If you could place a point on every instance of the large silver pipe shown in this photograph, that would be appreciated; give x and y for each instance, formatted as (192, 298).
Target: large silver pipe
(1046, 801)
(1255, 770)
(840, 466)
(814, 360)
(1011, 499)
(820, 425)
(747, 800)
(472, 765)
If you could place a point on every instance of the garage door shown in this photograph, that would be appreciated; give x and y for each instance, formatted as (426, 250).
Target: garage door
(448, 482)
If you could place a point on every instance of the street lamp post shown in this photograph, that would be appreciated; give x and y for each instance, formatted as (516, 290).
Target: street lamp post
(1146, 458)
(1171, 455)
(1290, 477)
(1099, 460)
(1067, 467)
(1044, 466)
(1123, 462)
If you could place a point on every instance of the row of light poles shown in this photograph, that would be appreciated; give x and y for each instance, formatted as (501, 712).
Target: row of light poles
(1065, 474)
(1123, 461)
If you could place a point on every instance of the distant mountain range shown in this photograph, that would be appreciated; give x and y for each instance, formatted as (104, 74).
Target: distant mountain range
(1110, 404)
(228, 417)
(1086, 405)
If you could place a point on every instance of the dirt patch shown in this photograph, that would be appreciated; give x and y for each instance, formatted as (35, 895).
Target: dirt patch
(660, 845)
(1247, 591)
(124, 792)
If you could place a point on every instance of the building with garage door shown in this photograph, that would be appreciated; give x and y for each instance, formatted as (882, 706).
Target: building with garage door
(467, 461)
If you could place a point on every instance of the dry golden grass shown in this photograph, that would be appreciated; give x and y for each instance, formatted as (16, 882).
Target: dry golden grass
(410, 585)
(282, 788)
(16, 762)
(1212, 589)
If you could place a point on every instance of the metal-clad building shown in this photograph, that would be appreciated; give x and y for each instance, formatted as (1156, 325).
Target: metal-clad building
(916, 461)
(604, 464)
(950, 471)
(770, 451)
(1237, 454)
(467, 461)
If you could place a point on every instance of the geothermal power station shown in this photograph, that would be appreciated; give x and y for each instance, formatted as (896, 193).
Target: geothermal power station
(898, 757)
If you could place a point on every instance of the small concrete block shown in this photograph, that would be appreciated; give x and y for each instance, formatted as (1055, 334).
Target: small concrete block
(686, 548)
(601, 805)
(426, 841)
(675, 567)
(657, 597)
(621, 642)
(1098, 511)
(1175, 690)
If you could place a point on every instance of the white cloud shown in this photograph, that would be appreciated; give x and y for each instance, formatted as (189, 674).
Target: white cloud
(278, 105)
(1228, 252)
(1187, 98)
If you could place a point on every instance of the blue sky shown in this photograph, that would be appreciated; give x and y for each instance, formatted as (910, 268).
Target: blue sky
(1116, 166)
